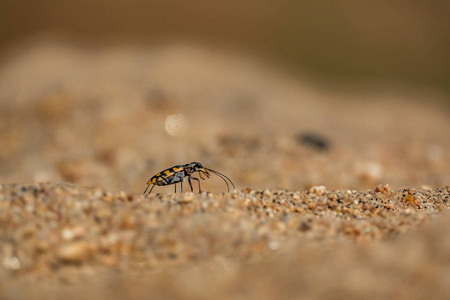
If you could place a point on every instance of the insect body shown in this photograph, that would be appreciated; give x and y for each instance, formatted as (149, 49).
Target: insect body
(180, 172)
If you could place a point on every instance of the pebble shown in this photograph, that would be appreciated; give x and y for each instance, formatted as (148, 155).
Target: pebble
(12, 263)
(319, 190)
(74, 252)
(187, 197)
(314, 140)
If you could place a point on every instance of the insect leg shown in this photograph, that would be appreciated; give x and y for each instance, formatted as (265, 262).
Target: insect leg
(181, 182)
(146, 188)
(175, 188)
(150, 189)
(190, 183)
(199, 189)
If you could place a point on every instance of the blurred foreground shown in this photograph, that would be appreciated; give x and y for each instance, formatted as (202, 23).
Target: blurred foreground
(63, 240)
(60, 241)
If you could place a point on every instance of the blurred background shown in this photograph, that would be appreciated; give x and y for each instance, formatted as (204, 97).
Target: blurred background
(284, 94)
(388, 40)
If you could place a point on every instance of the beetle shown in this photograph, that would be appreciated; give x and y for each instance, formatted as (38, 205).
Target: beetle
(179, 173)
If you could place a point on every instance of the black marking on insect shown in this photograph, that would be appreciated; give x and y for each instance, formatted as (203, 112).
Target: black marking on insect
(179, 173)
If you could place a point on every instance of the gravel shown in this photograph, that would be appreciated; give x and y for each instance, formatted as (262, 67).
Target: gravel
(69, 234)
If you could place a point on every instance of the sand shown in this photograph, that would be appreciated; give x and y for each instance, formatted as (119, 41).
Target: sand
(243, 244)
(339, 193)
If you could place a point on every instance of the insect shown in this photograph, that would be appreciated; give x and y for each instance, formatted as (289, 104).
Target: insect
(179, 173)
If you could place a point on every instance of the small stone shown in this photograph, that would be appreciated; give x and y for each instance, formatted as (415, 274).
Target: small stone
(304, 226)
(322, 201)
(107, 197)
(314, 140)
(187, 197)
(67, 234)
(12, 263)
(426, 187)
(318, 190)
(75, 252)
(122, 196)
(385, 189)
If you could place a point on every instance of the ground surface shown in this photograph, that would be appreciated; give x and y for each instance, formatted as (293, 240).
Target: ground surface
(61, 238)
(95, 124)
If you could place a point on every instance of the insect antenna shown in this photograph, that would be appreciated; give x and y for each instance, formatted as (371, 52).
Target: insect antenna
(223, 178)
